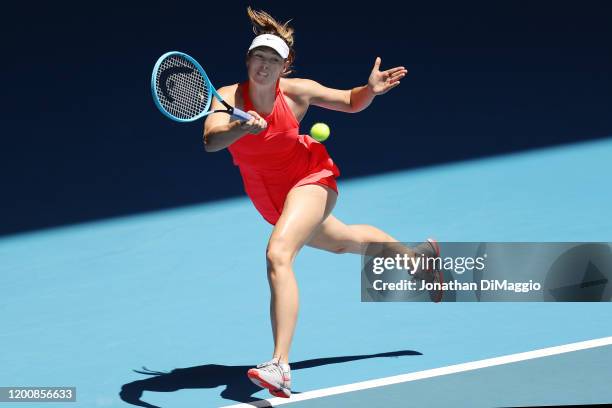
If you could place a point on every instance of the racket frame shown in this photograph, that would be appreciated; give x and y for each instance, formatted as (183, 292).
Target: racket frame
(231, 110)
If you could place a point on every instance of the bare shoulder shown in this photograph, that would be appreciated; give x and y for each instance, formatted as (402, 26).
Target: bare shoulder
(297, 86)
(312, 92)
(228, 92)
(230, 95)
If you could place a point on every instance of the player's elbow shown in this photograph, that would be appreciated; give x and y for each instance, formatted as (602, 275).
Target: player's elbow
(209, 145)
(210, 149)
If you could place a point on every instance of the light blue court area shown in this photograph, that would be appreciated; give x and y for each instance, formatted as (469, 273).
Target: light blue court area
(544, 381)
(184, 292)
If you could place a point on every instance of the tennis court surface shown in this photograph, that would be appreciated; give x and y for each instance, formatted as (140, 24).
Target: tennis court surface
(183, 293)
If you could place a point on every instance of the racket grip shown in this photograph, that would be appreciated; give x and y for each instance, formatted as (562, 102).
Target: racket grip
(242, 115)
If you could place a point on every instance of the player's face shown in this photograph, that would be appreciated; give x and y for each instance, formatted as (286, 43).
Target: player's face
(265, 66)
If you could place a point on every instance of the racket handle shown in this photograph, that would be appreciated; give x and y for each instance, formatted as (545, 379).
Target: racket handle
(242, 115)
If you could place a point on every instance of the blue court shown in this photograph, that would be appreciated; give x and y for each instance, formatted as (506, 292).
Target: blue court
(186, 290)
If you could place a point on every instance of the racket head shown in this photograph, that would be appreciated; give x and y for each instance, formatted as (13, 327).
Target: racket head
(180, 87)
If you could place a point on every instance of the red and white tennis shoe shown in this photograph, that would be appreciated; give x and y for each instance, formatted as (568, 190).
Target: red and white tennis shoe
(273, 375)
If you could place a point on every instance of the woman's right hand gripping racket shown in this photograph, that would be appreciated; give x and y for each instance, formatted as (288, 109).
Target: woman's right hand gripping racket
(182, 91)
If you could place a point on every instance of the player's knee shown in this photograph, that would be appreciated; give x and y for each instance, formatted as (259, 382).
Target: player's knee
(278, 255)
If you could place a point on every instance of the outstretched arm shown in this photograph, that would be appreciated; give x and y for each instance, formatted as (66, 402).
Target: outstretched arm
(356, 99)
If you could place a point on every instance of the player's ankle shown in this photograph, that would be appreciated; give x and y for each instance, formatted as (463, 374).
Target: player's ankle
(281, 359)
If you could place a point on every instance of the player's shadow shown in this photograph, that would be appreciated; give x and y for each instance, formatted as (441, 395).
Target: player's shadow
(237, 386)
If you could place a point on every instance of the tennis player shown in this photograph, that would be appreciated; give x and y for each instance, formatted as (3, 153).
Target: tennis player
(289, 177)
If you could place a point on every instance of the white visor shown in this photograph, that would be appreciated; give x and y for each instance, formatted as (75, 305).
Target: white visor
(272, 41)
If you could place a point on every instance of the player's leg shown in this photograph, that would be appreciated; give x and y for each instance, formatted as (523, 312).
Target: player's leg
(335, 236)
(304, 209)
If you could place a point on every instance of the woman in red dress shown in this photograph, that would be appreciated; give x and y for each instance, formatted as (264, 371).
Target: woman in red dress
(289, 177)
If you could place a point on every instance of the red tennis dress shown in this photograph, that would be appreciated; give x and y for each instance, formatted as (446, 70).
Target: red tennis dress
(279, 158)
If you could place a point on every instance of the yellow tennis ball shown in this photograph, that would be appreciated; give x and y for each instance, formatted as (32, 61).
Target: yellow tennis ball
(319, 132)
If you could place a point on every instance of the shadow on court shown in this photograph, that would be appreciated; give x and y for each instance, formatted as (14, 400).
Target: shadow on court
(237, 386)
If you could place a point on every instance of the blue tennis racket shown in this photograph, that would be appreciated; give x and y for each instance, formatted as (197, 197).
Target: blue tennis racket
(182, 91)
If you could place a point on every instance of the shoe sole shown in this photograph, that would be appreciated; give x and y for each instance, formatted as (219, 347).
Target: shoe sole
(279, 393)
(257, 380)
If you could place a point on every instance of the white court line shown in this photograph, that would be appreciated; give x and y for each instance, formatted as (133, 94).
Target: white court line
(435, 372)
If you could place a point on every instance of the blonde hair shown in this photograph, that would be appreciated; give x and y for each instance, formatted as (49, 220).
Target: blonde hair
(264, 23)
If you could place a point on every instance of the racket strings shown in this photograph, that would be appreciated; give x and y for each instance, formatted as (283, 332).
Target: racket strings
(181, 89)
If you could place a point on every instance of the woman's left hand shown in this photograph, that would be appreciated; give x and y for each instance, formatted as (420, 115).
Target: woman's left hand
(380, 82)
